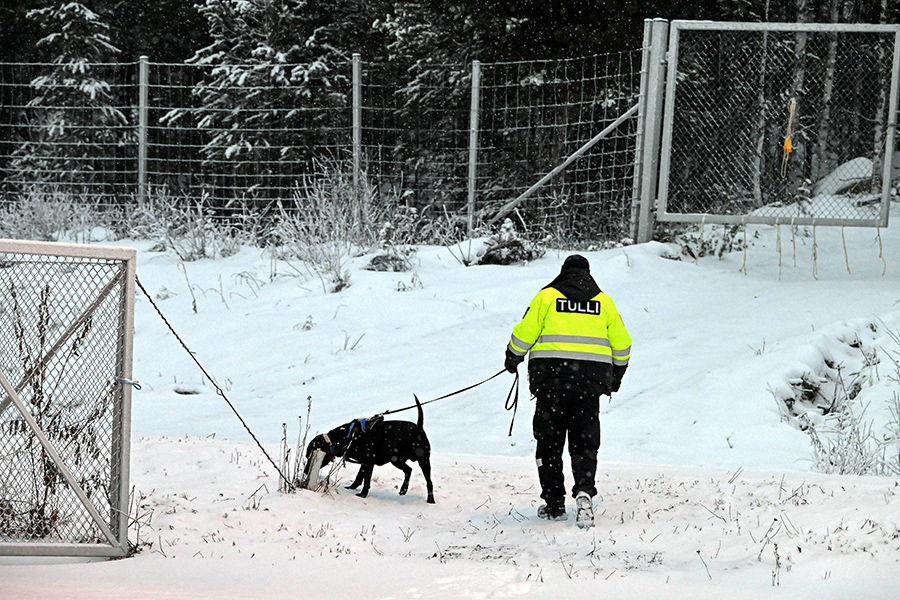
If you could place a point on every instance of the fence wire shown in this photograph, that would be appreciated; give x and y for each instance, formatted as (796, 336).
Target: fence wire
(535, 115)
(61, 350)
(415, 136)
(229, 140)
(236, 139)
(68, 133)
(779, 124)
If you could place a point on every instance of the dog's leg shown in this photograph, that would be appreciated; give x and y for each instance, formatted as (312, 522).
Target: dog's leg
(425, 463)
(407, 472)
(365, 471)
(358, 480)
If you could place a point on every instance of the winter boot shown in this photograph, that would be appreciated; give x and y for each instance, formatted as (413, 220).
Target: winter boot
(585, 510)
(553, 512)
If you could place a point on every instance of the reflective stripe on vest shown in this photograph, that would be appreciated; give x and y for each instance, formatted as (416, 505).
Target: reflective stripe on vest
(518, 347)
(572, 355)
(573, 339)
(620, 357)
(589, 348)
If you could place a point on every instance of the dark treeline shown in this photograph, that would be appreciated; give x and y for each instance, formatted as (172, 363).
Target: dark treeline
(486, 30)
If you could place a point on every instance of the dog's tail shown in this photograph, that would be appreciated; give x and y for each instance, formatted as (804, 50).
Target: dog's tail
(419, 408)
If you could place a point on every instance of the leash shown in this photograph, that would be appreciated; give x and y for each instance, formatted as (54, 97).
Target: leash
(512, 402)
(465, 389)
(512, 399)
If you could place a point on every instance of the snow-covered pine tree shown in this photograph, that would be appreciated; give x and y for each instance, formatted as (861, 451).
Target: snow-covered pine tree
(75, 129)
(430, 48)
(273, 75)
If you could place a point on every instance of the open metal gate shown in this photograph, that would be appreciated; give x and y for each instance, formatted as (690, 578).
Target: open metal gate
(66, 330)
(784, 123)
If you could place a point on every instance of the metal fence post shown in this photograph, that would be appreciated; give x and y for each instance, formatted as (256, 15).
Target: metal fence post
(357, 119)
(639, 137)
(143, 101)
(473, 142)
(121, 445)
(892, 116)
(659, 30)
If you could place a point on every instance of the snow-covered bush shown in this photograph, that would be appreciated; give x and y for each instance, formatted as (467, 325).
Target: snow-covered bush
(506, 247)
(395, 249)
(332, 221)
(699, 241)
(849, 405)
(45, 217)
(189, 230)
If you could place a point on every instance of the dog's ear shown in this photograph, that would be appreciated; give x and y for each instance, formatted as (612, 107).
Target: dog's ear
(339, 440)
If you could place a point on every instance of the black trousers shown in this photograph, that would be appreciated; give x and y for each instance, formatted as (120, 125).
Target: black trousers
(561, 414)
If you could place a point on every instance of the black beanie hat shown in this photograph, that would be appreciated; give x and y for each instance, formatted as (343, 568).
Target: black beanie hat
(576, 261)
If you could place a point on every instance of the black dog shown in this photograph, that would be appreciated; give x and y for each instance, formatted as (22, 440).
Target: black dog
(375, 441)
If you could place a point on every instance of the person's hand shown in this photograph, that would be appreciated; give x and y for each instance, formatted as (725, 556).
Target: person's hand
(615, 385)
(512, 361)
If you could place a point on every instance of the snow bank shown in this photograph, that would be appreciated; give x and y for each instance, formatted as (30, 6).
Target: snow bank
(706, 491)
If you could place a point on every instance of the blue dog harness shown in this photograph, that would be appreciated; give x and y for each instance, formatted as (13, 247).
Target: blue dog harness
(364, 424)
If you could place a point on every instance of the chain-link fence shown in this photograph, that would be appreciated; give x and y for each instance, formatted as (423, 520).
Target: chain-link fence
(780, 123)
(65, 350)
(238, 138)
(764, 123)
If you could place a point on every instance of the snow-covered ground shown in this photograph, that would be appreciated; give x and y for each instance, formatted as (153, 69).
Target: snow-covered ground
(705, 490)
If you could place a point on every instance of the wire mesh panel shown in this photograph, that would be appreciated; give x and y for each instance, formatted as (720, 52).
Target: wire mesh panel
(66, 321)
(67, 131)
(233, 138)
(536, 114)
(415, 134)
(769, 123)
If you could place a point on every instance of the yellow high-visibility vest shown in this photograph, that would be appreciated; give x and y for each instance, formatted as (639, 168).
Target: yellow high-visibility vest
(556, 327)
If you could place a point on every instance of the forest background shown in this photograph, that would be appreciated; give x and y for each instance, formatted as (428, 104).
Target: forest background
(427, 30)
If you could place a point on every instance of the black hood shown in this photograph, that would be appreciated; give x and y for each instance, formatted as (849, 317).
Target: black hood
(575, 281)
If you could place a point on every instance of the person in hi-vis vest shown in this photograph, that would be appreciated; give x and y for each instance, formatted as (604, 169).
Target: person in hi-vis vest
(579, 350)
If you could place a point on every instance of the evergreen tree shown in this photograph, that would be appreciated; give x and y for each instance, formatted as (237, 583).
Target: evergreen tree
(430, 46)
(166, 31)
(75, 129)
(274, 67)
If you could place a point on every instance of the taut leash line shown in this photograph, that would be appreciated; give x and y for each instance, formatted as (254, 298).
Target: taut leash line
(465, 389)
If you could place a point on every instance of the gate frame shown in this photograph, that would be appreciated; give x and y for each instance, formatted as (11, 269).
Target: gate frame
(647, 196)
(120, 450)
